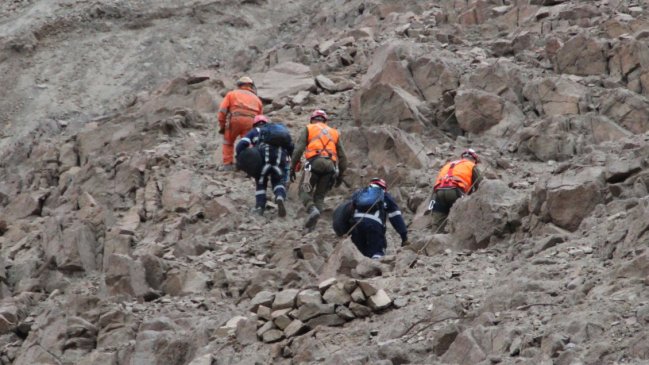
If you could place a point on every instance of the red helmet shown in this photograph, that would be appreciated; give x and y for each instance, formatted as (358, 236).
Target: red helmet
(260, 119)
(379, 182)
(470, 153)
(319, 114)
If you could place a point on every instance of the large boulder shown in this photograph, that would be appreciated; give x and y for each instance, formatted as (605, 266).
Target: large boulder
(436, 75)
(628, 109)
(556, 96)
(181, 190)
(582, 55)
(493, 211)
(390, 105)
(566, 199)
(503, 78)
(558, 138)
(384, 146)
(629, 64)
(125, 276)
(284, 79)
(479, 111)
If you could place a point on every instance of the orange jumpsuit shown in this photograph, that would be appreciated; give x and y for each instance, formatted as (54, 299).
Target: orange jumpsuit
(236, 113)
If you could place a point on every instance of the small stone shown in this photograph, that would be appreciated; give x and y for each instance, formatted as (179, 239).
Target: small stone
(358, 296)
(350, 285)
(374, 332)
(281, 318)
(264, 312)
(264, 298)
(359, 310)
(368, 289)
(311, 310)
(331, 320)
(336, 294)
(265, 328)
(295, 328)
(323, 286)
(345, 312)
(285, 299)
(309, 296)
(380, 300)
(272, 336)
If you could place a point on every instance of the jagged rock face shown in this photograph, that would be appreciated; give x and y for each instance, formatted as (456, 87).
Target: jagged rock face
(121, 242)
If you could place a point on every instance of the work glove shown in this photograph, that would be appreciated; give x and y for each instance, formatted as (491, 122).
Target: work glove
(292, 175)
(222, 129)
(339, 181)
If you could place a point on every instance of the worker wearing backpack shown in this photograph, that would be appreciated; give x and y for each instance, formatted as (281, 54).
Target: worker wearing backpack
(325, 164)
(274, 145)
(372, 205)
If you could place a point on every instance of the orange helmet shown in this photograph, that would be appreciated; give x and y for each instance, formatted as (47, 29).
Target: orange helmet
(260, 119)
(320, 115)
(378, 182)
(470, 153)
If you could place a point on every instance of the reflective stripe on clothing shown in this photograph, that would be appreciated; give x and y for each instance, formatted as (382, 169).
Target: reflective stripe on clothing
(375, 217)
(260, 192)
(394, 214)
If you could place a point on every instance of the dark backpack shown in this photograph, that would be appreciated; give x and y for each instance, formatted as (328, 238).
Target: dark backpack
(275, 134)
(369, 199)
(342, 219)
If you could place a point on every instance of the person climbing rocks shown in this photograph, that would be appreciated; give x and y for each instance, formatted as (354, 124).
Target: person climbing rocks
(324, 167)
(455, 179)
(372, 205)
(236, 114)
(275, 146)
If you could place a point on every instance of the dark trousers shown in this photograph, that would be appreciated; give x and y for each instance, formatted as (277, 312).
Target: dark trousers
(273, 171)
(369, 237)
(321, 180)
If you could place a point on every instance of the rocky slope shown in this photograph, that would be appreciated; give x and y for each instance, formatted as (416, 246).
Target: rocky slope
(122, 244)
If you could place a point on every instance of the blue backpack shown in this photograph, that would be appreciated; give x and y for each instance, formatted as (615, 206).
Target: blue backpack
(369, 199)
(275, 134)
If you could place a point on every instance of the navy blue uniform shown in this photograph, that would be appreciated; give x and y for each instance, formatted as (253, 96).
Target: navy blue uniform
(369, 232)
(274, 170)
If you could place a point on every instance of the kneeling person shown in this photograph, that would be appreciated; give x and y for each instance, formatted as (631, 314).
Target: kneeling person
(275, 147)
(372, 205)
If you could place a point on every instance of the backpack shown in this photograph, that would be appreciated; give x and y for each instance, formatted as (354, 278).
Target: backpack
(369, 199)
(275, 134)
(342, 220)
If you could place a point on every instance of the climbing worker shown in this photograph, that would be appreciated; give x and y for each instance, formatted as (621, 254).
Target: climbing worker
(236, 114)
(456, 179)
(274, 144)
(324, 167)
(372, 205)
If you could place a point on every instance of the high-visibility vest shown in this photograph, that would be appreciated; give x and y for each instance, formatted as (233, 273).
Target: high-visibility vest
(455, 174)
(321, 141)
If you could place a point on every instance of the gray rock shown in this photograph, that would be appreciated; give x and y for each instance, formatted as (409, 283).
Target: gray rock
(285, 299)
(295, 328)
(379, 301)
(265, 328)
(336, 294)
(324, 285)
(358, 296)
(325, 83)
(272, 336)
(263, 298)
(360, 310)
(281, 318)
(311, 310)
(309, 296)
(331, 320)
(368, 288)
(345, 312)
(264, 312)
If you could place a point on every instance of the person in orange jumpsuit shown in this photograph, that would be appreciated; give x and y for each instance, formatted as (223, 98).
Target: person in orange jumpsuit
(236, 114)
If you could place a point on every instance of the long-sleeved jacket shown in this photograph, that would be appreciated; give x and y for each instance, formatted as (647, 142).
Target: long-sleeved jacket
(241, 102)
(390, 211)
(302, 142)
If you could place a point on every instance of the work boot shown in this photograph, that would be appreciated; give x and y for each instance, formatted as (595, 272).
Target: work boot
(312, 218)
(258, 211)
(281, 209)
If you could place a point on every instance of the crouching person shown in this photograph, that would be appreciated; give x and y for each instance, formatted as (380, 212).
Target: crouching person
(273, 141)
(372, 205)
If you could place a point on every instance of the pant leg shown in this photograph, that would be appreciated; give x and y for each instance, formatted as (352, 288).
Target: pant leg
(307, 196)
(369, 237)
(279, 189)
(260, 192)
(321, 188)
(438, 222)
(238, 127)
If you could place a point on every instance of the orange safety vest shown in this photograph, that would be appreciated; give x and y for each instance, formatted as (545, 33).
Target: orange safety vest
(455, 174)
(240, 103)
(321, 141)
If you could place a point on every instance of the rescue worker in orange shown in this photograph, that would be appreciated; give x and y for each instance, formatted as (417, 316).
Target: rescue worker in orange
(456, 179)
(236, 114)
(325, 164)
